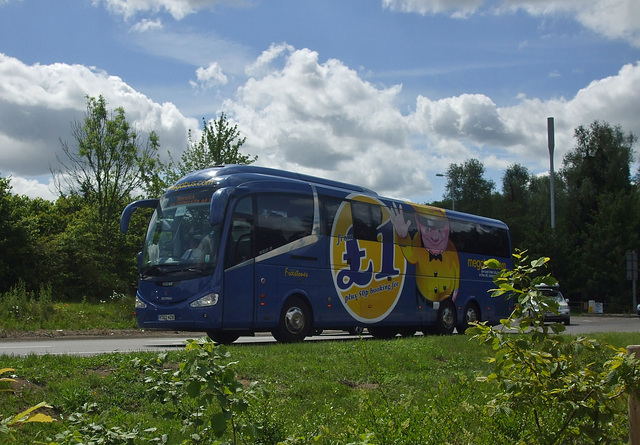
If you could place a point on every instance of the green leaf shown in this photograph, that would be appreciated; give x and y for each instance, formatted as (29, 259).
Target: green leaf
(540, 262)
(219, 424)
(193, 389)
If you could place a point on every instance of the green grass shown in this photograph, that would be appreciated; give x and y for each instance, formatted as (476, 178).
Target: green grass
(402, 391)
(25, 311)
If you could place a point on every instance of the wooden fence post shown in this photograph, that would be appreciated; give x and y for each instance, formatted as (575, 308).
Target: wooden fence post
(634, 406)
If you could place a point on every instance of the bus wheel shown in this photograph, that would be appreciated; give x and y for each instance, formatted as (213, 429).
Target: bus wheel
(295, 322)
(446, 320)
(223, 337)
(471, 315)
(383, 332)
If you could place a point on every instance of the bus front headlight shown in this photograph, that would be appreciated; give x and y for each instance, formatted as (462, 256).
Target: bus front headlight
(208, 300)
(139, 303)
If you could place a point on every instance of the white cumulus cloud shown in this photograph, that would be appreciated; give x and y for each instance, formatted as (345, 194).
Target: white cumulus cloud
(178, 9)
(209, 77)
(615, 19)
(457, 8)
(38, 103)
(146, 25)
(312, 116)
(321, 118)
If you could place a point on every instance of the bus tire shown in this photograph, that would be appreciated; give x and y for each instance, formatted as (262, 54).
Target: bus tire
(446, 320)
(471, 315)
(295, 321)
(382, 332)
(407, 331)
(223, 337)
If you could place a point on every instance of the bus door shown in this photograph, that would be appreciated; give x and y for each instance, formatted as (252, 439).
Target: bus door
(239, 276)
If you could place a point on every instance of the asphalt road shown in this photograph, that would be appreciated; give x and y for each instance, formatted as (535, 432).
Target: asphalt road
(114, 343)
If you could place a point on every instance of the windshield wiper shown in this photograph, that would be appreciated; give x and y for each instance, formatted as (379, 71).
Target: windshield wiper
(155, 271)
(197, 270)
(158, 271)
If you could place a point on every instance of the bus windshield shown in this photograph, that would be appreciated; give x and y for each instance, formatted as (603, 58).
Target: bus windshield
(180, 241)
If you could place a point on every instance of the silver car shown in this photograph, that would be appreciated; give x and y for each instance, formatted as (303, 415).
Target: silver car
(563, 315)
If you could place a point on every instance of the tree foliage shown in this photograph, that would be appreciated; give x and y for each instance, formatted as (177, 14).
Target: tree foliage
(15, 246)
(468, 189)
(597, 209)
(108, 162)
(565, 397)
(219, 144)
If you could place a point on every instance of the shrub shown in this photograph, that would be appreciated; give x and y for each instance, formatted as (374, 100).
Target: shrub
(568, 390)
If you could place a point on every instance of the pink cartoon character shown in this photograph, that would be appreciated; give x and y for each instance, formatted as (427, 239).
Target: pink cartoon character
(434, 255)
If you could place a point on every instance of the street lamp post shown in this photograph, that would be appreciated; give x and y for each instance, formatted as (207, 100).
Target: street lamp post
(551, 144)
(453, 201)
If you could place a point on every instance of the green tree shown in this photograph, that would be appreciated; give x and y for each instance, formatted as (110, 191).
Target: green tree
(515, 200)
(219, 144)
(15, 245)
(468, 188)
(598, 165)
(602, 211)
(109, 161)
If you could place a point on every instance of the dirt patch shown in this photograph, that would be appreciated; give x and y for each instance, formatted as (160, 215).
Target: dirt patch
(356, 385)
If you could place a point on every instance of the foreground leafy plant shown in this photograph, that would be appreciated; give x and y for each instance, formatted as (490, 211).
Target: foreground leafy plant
(86, 431)
(564, 397)
(208, 379)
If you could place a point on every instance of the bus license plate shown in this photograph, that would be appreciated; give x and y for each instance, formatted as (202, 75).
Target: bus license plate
(166, 317)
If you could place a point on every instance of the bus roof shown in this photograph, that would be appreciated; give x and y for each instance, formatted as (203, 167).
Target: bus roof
(238, 174)
(235, 175)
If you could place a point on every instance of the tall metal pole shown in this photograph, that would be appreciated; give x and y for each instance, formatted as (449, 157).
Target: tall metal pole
(551, 141)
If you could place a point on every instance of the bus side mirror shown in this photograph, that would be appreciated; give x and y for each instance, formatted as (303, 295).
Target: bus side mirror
(219, 202)
(128, 211)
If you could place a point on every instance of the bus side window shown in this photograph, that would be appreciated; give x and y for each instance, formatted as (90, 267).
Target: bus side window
(328, 208)
(282, 219)
(464, 236)
(240, 245)
(366, 220)
(493, 240)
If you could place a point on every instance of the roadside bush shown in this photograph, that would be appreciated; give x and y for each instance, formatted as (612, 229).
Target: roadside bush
(30, 311)
(24, 309)
(566, 390)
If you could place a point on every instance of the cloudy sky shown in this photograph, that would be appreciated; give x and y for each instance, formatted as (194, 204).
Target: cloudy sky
(382, 93)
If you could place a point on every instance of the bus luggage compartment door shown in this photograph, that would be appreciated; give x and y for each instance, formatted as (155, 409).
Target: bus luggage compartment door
(238, 297)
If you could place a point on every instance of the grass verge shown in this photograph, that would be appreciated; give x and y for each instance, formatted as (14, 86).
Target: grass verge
(401, 391)
(27, 312)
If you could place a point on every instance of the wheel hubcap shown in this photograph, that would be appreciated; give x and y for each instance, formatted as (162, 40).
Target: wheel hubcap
(447, 317)
(294, 320)
(471, 315)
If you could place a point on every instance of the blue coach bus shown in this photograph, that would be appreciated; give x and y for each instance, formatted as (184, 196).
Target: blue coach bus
(234, 250)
